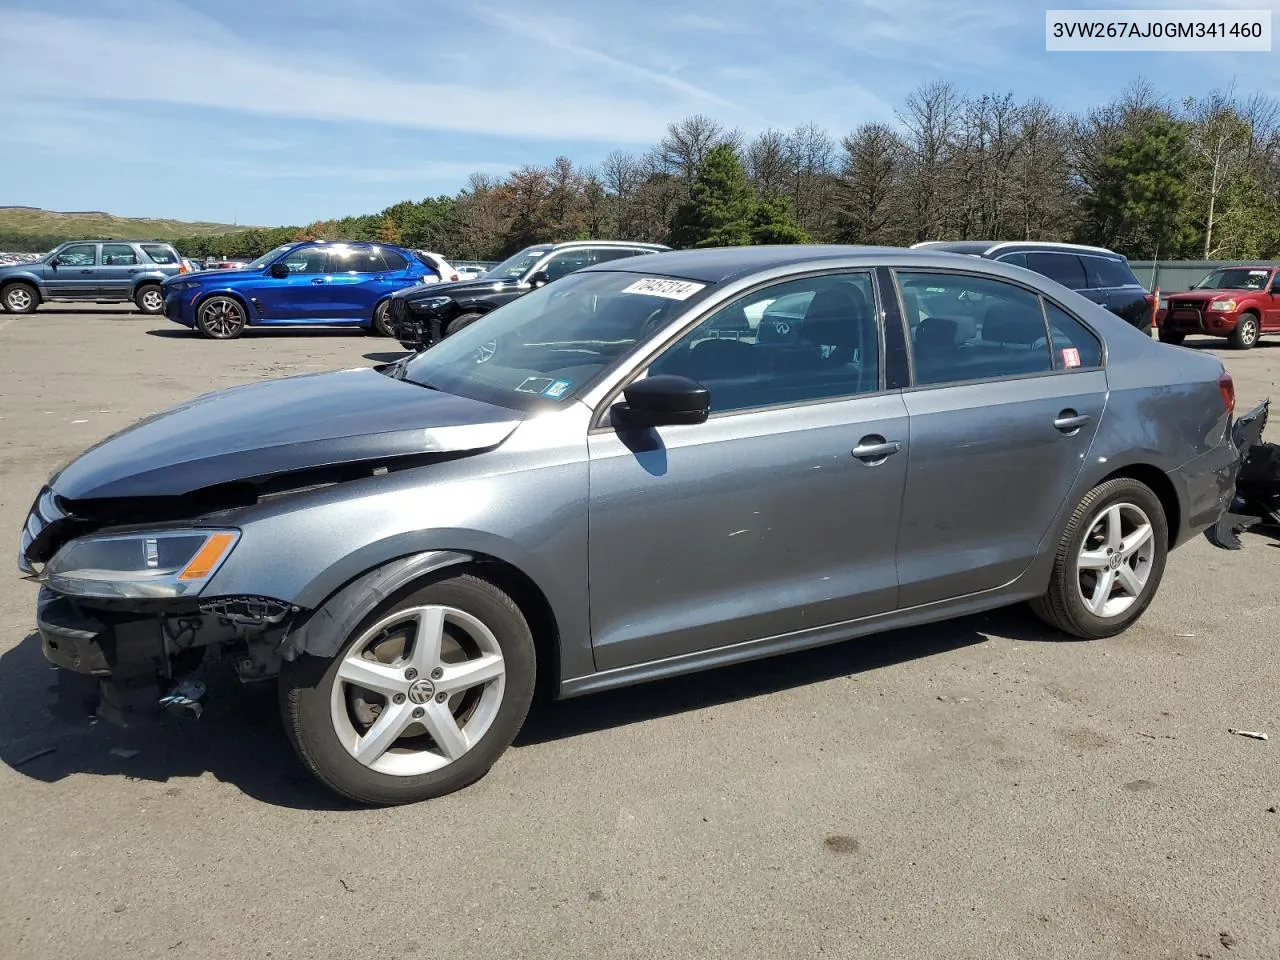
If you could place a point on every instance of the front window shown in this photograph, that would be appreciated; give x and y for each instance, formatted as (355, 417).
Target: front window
(269, 256)
(77, 255)
(1235, 278)
(552, 344)
(518, 265)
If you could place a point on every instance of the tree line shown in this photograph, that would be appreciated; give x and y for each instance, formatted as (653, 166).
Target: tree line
(1140, 174)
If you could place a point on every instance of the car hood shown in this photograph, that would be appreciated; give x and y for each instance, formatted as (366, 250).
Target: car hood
(204, 275)
(457, 288)
(1203, 296)
(263, 430)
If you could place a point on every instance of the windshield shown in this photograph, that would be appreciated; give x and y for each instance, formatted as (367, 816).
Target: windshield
(552, 344)
(1235, 278)
(267, 257)
(517, 265)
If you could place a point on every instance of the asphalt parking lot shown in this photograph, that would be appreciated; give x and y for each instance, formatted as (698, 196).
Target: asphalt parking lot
(976, 789)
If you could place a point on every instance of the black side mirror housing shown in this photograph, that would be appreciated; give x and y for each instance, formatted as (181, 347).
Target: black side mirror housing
(279, 270)
(539, 279)
(663, 400)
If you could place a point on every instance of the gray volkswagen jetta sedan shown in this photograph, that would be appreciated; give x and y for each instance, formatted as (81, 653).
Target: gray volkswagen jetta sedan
(650, 467)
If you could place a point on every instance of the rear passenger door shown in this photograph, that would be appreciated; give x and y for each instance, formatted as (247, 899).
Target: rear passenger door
(1124, 294)
(119, 267)
(1069, 270)
(1002, 419)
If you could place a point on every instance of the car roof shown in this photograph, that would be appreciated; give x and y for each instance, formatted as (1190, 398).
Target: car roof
(717, 264)
(981, 248)
(603, 243)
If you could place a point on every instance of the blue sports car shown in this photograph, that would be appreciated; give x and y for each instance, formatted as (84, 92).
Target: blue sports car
(307, 283)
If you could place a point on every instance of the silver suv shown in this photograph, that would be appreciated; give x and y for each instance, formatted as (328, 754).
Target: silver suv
(99, 271)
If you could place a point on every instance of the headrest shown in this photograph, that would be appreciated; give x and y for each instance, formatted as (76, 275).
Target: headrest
(938, 332)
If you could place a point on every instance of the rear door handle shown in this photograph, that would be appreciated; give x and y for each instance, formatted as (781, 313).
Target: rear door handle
(875, 449)
(1069, 421)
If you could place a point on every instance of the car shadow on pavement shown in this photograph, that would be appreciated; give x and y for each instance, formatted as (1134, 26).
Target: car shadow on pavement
(264, 333)
(48, 732)
(386, 357)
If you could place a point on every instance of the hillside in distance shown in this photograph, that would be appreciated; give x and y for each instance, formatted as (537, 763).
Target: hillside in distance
(32, 227)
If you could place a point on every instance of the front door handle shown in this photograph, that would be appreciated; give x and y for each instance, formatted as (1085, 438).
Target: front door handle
(1070, 422)
(875, 449)
(318, 280)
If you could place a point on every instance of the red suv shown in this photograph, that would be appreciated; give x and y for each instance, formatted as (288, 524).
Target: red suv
(1240, 303)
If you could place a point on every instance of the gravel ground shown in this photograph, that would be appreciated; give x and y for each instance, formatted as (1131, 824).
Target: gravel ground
(975, 789)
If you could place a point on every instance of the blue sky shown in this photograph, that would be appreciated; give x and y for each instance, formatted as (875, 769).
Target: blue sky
(286, 111)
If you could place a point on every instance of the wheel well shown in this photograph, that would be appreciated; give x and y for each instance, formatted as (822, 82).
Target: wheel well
(142, 284)
(21, 282)
(224, 293)
(537, 611)
(1160, 484)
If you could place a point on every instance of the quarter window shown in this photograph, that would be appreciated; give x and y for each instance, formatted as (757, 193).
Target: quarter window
(1066, 268)
(974, 328)
(160, 254)
(118, 255)
(799, 341)
(1073, 344)
(394, 261)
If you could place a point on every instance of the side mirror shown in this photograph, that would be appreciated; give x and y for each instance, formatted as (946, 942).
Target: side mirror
(662, 400)
(279, 270)
(539, 279)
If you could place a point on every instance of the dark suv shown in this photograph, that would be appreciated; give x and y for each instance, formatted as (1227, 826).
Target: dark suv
(1100, 274)
(99, 271)
(421, 316)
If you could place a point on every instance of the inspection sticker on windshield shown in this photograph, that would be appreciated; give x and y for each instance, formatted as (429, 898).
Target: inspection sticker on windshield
(557, 389)
(535, 385)
(670, 289)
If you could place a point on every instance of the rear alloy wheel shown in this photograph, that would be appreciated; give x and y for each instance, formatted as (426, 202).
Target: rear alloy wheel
(420, 701)
(1172, 336)
(1245, 335)
(1109, 563)
(221, 318)
(149, 299)
(20, 298)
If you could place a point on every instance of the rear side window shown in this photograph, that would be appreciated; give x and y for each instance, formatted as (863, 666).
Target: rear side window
(974, 328)
(359, 260)
(393, 260)
(1105, 272)
(1066, 268)
(1074, 345)
(159, 253)
(118, 255)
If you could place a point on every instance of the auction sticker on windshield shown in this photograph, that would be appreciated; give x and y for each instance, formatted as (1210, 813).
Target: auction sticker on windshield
(670, 289)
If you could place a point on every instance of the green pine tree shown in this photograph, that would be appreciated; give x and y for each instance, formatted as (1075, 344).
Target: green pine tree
(720, 207)
(774, 222)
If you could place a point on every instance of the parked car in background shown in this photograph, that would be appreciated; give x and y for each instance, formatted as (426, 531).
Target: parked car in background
(1102, 275)
(193, 266)
(1240, 303)
(218, 263)
(99, 271)
(589, 488)
(305, 283)
(421, 317)
(443, 270)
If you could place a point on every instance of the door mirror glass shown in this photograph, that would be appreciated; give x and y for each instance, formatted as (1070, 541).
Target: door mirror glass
(279, 270)
(539, 279)
(662, 400)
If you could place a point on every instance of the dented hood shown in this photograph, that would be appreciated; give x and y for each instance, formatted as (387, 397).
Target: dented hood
(279, 426)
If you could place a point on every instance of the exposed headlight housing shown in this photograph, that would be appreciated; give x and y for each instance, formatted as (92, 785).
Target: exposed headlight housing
(1223, 306)
(429, 305)
(146, 565)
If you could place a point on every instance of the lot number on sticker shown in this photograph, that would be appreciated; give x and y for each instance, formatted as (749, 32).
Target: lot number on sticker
(670, 289)
(1070, 357)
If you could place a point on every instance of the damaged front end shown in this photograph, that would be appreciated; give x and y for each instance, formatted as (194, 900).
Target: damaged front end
(1256, 503)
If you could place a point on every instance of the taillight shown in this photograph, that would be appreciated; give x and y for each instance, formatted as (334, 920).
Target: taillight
(1228, 388)
(454, 277)
(182, 268)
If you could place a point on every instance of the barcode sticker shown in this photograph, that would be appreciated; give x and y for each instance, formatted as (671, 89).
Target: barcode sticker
(670, 289)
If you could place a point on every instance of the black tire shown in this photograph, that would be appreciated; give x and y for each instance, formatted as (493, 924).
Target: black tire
(20, 298)
(1246, 333)
(460, 321)
(221, 317)
(1063, 605)
(1172, 337)
(379, 326)
(149, 299)
(307, 697)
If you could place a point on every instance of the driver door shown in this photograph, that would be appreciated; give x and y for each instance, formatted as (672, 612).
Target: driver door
(777, 515)
(73, 274)
(297, 298)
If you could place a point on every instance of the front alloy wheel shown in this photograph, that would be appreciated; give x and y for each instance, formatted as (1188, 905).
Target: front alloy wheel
(221, 318)
(1245, 335)
(422, 699)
